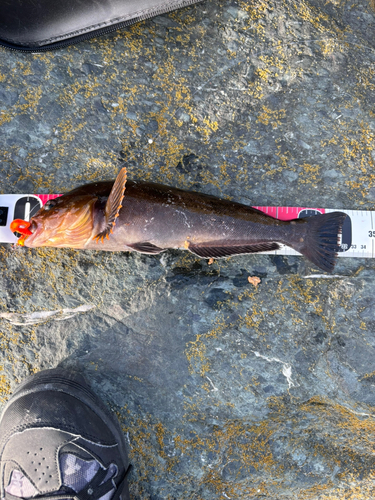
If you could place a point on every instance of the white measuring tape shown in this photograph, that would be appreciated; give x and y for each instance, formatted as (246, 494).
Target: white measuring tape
(358, 235)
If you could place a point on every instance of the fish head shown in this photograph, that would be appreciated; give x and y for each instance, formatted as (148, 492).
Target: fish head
(66, 221)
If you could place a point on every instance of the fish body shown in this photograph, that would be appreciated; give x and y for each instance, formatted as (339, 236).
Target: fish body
(125, 215)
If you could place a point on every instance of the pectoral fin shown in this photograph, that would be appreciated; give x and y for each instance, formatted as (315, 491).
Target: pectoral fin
(226, 250)
(113, 205)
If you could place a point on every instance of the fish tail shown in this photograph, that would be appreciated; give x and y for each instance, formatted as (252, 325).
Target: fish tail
(320, 239)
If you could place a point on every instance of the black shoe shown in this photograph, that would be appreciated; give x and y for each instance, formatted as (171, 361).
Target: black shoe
(59, 441)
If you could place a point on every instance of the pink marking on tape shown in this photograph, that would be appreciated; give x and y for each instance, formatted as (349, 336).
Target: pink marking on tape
(45, 197)
(287, 213)
(271, 211)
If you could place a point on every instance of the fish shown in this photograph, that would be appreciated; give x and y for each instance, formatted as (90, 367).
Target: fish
(150, 218)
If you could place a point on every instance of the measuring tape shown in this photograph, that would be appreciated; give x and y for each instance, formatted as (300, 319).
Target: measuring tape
(357, 239)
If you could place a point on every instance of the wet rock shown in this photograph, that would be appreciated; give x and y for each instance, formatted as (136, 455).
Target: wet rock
(219, 385)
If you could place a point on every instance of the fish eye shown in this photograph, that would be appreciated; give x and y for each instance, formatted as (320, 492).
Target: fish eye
(49, 204)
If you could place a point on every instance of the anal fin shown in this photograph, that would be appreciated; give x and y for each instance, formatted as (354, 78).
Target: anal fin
(146, 247)
(218, 251)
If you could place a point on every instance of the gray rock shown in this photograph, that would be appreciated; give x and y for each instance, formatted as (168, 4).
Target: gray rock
(222, 389)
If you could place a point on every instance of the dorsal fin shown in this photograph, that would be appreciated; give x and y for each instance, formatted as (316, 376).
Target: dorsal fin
(113, 205)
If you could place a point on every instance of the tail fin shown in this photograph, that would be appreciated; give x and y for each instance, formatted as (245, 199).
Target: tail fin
(321, 241)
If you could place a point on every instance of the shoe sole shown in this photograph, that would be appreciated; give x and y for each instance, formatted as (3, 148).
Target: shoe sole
(74, 384)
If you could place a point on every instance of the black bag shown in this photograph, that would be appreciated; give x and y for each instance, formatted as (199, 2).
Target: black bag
(39, 25)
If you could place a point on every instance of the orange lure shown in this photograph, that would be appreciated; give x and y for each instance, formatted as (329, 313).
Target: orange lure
(22, 227)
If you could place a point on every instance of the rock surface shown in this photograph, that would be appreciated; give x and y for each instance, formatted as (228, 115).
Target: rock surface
(224, 389)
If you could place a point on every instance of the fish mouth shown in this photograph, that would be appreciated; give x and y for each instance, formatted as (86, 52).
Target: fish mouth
(33, 239)
(32, 233)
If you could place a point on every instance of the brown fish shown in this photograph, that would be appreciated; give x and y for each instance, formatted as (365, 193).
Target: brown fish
(150, 218)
